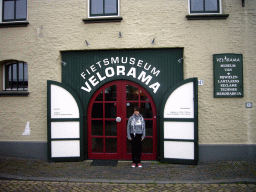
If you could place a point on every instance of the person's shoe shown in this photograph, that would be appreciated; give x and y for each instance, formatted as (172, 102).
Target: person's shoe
(139, 165)
(133, 165)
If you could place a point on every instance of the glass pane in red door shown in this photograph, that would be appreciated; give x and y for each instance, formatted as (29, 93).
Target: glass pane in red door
(149, 127)
(110, 128)
(111, 145)
(132, 93)
(99, 97)
(110, 93)
(97, 128)
(143, 96)
(97, 145)
(97, 110)
(146, 110)
(110, 110)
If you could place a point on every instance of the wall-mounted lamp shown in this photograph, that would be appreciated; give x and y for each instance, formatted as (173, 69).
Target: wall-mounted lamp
(87, 43)
(180, 60)
(153, 41)
(243, 3)
(120, 34)
(63, 63)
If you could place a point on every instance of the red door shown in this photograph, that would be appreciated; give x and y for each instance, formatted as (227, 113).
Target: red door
(108, 114)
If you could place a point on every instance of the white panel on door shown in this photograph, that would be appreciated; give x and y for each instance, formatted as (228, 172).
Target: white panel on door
(178, 150)
(180, 103)
(65, 130)
(178, 130)
(63, 104)
(65, 148)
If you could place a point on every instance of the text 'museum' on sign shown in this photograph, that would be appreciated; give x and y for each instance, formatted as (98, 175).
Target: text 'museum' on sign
(228, 75)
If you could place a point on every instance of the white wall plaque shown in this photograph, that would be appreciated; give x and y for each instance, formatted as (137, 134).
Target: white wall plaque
(65, 130)
(178, 130)
(65, 148)
(63, 104)
(180, 104)
(178, 150)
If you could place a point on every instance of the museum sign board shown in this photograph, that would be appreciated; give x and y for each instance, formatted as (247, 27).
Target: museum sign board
(228, 75)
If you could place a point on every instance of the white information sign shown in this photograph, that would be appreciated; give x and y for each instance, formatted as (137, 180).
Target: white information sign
(178, 130)
(180, 104)
(66, 148)
(65, 130)
(63, 104)
(179, 150)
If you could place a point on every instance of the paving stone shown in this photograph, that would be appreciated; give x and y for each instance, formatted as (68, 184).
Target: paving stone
(34, 175)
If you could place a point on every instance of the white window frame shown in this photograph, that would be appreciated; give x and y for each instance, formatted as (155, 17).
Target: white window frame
(220, 4)
(118, 13)
(1, 14)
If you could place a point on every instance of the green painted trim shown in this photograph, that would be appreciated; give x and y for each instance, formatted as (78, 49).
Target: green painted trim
(14, 24)
(49, 120)
(102, 20)
(179, 119)
(195, 120)
(65, 119)
(14, 93)
(183, 140)
(207, 16)
(65, 139)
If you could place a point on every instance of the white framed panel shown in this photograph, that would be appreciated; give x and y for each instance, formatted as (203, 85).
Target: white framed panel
(65, 148)
(178, 130)
(60, 130)
(180, 103)
(63, 104)
(179, 150)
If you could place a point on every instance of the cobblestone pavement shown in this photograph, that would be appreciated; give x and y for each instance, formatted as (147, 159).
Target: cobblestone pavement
(34, 175)
(14, 185)
(152, 172)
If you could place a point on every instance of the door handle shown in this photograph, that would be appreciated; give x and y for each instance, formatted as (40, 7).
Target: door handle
(118, 119)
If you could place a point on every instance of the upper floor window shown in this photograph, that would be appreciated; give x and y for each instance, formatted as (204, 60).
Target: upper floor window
(14, 10)
(15, 76)
(103, 8)
(205, 6)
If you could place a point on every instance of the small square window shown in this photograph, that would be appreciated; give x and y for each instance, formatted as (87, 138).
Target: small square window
(14, 10)
(98, 8)
(204, 6)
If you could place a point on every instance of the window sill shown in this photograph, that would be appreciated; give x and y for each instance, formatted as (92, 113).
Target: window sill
(14, 24)
(14, 93)
(207, 16)
(102, 20)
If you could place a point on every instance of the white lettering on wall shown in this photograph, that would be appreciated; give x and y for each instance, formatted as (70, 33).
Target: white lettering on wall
(226, 59)
(132, 72)
(120, 70)
(143, 77)
(113, 60)
(109, 72)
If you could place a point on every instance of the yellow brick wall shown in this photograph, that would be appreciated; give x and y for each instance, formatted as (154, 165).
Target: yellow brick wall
(56, 26)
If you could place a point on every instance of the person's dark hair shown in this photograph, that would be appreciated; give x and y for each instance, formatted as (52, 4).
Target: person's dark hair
(136, 109)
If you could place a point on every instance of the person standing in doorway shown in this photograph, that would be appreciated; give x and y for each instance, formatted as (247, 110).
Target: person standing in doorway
(136, 132)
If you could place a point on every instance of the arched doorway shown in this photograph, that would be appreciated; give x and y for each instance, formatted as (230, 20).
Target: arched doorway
(108, 113)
